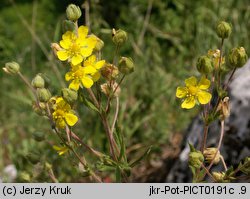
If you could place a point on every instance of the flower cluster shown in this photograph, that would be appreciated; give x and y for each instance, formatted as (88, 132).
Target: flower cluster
(77, 48)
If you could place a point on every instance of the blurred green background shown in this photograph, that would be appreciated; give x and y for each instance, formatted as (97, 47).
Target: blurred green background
(164, 49)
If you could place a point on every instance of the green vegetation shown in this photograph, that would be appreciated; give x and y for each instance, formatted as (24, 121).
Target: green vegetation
(163, 44)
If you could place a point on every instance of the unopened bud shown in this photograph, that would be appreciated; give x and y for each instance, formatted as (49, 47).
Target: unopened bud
(73, 12)
(204, 65)
(37, 109)
(33, 157)
(11, 68)
(209, 154)
(46, 79)
(38, 136)
(223, 29)
(48, 166)
(99, 44)
(55, 48)
(237, 57)
(195, 159)
(43, 94)
(107, 90)
(218, 176)
(24, 176)
(119, 37)
(126, 65)
(69, 95)
(38, 82)
(110, 71)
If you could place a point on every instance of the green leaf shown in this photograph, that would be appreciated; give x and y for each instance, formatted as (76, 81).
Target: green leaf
(88, 103)
(192, 149)
(141, 158)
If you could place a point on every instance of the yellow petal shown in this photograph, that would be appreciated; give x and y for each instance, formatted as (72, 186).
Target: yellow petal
(99, 64)
(87, 82)
(83, 31)
(86, 51)
(188, 103)
(91, 41)
(91, 59)
(76, 59)
(75, 84)
(68, 35)
(68, 76)
(71, 119)
(62, 55)
(181, 92)
(204, 83)
(191, 81)
(89, 70)
(65, 43)
(96, 76)
(204, 97)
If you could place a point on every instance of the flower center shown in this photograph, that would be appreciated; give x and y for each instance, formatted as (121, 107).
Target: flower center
(192, 90)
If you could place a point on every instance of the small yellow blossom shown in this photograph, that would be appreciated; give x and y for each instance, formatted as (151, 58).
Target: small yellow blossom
(194, 92)
(76, 47)
(92, 62)
(80, 76)
(63, 114)
(61, 149)
(215, 55)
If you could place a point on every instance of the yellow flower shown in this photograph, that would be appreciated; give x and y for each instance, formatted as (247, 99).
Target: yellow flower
(92, 62)
(63, 114)
(194, 92)
(80, 76)
(61, 149)
(76, 47)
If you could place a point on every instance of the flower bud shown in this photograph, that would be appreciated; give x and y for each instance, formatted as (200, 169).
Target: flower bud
(204, 65)
(25, 176)
(209, 154)
(224, 108)
(73, 12)
(38, 82)
(218, 176)
(11, 68)
(99, 44)
(119, 37)
(38, 136)
(110, 71)
(126, 65)
(33, 157)
(223, 29)
(237, 57)
(39, 108)
(69, 95)
(107, 90)
(48, 166)
(195, 159)
(46, 79)
(55, 48)
(43, 94)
